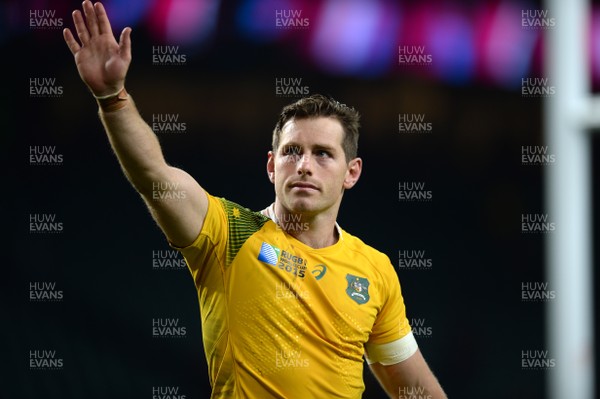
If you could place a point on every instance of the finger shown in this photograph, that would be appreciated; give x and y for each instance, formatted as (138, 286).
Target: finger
(125, 43)
(103, 22)
(90, 18)
(71, 42)
(80, 27)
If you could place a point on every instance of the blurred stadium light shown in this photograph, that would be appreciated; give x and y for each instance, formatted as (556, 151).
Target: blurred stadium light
(184, 22)
(476, 43)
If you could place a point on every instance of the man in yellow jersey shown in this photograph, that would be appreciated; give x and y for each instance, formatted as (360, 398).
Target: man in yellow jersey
(290, 302)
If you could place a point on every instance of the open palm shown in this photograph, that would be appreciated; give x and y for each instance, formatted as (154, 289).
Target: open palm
(101, 61)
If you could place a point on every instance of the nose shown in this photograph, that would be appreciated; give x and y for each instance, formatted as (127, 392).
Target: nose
(304, 164)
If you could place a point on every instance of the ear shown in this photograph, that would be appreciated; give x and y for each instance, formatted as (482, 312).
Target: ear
(353, 173)
(271, 166)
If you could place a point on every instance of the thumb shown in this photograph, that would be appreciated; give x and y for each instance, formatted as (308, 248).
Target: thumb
(125, 43)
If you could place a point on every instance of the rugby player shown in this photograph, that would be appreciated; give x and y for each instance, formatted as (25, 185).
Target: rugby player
(290, 303)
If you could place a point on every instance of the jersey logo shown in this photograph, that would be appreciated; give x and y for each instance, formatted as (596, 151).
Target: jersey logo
(319, 271)
(358, 289)
(269, 254)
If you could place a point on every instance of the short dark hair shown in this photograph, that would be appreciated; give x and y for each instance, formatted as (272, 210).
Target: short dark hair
(317, 105)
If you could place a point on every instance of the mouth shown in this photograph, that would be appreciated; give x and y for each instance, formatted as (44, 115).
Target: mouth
(303, 186)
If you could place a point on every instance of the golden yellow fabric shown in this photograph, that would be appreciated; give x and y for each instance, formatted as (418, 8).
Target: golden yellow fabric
(283, 320)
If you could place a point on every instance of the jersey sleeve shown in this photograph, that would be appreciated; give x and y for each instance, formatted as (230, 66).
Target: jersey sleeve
(391, 322)
(391, 340)
(210, 247)
(226, 227)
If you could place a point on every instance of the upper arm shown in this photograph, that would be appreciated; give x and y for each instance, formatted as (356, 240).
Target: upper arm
(391, 322)
(412, 375)
(392, 351)
(178, 204)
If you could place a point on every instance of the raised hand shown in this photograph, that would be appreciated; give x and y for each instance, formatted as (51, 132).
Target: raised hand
(101, 61)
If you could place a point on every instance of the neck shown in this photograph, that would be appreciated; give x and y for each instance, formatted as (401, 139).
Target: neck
(315, 230)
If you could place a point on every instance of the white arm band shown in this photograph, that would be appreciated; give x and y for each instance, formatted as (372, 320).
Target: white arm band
(393, 352)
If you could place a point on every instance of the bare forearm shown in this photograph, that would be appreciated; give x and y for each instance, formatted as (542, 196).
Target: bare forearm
(135, 146)
(423, 385)
(427, 387)
(178, 207)
(408, 392)
(409, 379)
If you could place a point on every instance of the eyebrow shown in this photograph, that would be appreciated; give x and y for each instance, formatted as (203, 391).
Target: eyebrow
(314, 146)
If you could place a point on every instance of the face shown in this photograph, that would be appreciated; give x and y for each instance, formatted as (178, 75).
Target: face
(309, 169)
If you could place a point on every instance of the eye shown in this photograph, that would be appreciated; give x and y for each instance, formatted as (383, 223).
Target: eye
(291, 150)
(323, 154)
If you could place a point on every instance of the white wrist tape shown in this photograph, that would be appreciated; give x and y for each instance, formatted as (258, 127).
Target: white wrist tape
(108, 95)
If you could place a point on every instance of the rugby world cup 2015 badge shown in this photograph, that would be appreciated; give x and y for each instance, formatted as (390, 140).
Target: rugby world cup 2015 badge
(358, 289)
(269, 254)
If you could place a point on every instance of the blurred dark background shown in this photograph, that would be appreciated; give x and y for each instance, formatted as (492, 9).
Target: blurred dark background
(226, 93)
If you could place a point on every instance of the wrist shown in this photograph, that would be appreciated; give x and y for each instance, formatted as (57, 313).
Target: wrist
(113, 102)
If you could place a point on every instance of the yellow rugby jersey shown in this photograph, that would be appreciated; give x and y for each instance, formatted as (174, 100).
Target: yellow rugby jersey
(283, 320)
